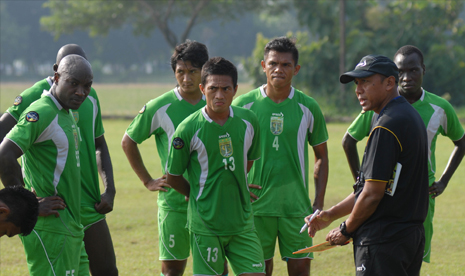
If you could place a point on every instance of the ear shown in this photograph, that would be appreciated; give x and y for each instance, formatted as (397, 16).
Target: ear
(296, 69)
(202, 88)
(263, 65)
(390, 83)
(424, 69)
(55, 67)
(235, 90)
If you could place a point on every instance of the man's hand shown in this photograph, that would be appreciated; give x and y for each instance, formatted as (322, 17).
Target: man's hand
(253, 196)
(321, 221)
(106, 203)
(157, 184)
(49, 205)
(437, 188)
(335, 237)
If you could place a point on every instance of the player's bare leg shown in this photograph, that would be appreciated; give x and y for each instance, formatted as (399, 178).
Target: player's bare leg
(269, 267)
(298, 267)
(173, 268)
(99, 248)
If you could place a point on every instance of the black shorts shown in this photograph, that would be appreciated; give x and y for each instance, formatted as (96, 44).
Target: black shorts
(400, 257)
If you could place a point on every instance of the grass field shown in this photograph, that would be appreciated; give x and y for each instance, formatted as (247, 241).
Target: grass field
(133, 223)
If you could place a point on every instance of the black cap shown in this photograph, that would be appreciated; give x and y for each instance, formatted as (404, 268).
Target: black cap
(370, 65)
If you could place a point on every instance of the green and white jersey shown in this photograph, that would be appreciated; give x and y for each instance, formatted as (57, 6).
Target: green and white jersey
(437, 114)
(49, 139)
(89, 120)
(216, 160)
(160, 117)
(283, 169)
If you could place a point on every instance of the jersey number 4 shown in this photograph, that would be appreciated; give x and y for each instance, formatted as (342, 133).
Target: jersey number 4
(276, 143)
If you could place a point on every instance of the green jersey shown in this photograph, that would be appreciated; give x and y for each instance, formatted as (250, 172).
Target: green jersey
(49, 139)
(160, 117)
(437, 114)
(283, 169)
(216, 160)
(89, 120)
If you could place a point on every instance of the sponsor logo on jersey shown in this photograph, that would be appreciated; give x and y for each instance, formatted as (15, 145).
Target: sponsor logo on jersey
(277, 123)
(226, 148)
(76, 116)
(18, 100)
(257, 265)
(361, 268)
(142, 109)
(178, 143)
(32, 116)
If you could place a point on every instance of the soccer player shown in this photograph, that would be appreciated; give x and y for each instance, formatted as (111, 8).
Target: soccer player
(288, 120)
(19, 209)
(94, 159)
(439, 118)
(390, 199)
(160, 117)
(217, 145)
(48, 139)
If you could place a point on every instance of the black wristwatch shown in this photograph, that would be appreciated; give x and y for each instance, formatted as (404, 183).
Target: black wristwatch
(343, 230)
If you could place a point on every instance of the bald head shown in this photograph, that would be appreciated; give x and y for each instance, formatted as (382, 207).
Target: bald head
(73, 81)
(68, 49)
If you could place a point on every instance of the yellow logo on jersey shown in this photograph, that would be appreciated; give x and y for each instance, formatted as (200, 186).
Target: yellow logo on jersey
(226, 148)
(276, 125)
(76, 116)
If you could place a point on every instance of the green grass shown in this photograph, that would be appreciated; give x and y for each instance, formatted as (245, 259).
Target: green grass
(133, 222)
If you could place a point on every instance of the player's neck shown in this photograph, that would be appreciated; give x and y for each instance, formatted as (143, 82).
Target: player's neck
(219, 118)
(412, 97)
(277, 94)
(192, 98)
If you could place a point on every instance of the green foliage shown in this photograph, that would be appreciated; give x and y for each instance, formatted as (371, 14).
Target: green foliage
(376, 27)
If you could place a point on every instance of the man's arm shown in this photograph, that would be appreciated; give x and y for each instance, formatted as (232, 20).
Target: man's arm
(455, 158)
(7, 122)
(367, 202)
(10, 170)
(349, 145)
(179, 183)
(105, 169)
(132, 152)
(320, 174)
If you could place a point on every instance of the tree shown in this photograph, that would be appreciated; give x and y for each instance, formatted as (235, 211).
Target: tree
(378, 27)
(99, 17)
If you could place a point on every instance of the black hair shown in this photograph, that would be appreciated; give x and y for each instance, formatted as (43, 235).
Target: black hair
(24, 207)
(408, 50)
(192, 51)
(283, 45)
(219, 66)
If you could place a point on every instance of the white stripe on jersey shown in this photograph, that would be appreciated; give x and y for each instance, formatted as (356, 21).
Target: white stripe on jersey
(437, 120)
(198, 145)
(161, 119)
(94, 114)
(306, 125)
(249, 134)
(55, 133)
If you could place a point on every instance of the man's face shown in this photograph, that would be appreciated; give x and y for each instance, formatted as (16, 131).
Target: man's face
(410, 73)
(279, 69)
(8, 228)
(371, 92)
(188, 77)
(73, 87)
(219, 92)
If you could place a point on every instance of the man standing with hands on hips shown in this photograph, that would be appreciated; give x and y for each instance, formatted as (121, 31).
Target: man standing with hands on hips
(390, 199)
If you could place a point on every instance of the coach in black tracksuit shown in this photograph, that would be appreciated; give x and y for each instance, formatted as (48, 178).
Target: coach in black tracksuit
(386, 215)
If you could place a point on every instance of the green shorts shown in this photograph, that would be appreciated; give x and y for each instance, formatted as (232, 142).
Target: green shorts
(90, 216)
(83, 262)
(173, 236)
(428, 224)
(50, 254)
(287, 231)
(243, 252)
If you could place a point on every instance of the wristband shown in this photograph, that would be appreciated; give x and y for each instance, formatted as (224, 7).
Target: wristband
(343, 230)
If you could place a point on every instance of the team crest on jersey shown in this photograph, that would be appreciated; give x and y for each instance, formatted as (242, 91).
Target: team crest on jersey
(32, 116)
(277, 123)
(18, 100)
(226, 148)
(76, 116)
(142, 110)
(178, 143)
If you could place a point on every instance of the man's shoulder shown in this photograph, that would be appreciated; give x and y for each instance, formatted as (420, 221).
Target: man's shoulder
(303, 98)
(432, 98)
(243, 112)
(162, 100)
(248, 97)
